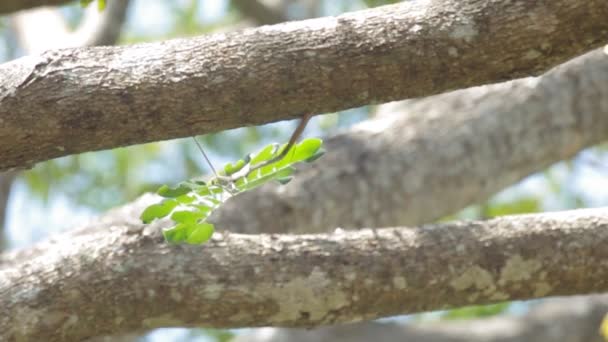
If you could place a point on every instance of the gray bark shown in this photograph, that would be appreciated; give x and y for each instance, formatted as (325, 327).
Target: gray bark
(75, 100)
(437, 156)
(572, 319)
(115, 277)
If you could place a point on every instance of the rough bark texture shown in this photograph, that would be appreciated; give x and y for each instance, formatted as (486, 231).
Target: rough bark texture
(438, 155)
(75, 100)
(116, 277)
(572, 319)
(9, 6)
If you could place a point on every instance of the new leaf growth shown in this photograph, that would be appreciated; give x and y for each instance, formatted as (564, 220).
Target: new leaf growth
(190, 203)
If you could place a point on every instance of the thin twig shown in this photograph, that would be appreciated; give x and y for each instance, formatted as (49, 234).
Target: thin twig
(205, 155)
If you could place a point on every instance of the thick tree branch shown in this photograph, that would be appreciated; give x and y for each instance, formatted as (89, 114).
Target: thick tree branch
(439, 155)
(571, 319)
(75, 100)
(115, 278)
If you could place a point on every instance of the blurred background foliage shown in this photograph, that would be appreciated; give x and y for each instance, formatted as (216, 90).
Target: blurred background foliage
(97, 181)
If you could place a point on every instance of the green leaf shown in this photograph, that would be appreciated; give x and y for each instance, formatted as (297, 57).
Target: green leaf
(315, 156)
(209, 190)
(230, 169)
(187, 216)
(201, 233)
(285, 180)
(101, 4)
(469, 312)
(185, 199)
(265, 154)
(156, 211)
(306, 149)
(254, 180)
(175, 234)
(189, 233)
(180, 189)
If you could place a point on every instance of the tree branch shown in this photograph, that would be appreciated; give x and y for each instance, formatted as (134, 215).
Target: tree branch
(116, 278)
(572, 319)
(75, 100)
(437, 156)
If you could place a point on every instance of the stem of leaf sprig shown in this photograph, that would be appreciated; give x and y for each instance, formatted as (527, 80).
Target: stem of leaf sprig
(292, 141)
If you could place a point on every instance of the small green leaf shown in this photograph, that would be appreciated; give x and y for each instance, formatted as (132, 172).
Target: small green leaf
(316, 156)
(201, 233)
(265, 154)
(176, 234)
(185, 199)
(230, 169)
(209, 190)
(189, 233)
(285, 180)
(180, 189)
(101, 5)
(203, 208)
(156, 211)
(253, 181)
(187, 216)
(306, 149)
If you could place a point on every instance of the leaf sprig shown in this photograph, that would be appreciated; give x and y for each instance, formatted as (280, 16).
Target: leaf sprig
(190, 203)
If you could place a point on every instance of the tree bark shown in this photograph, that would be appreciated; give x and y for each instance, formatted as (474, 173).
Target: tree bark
(115, 278)
(437, 156)
(69, 101)
(571, 319)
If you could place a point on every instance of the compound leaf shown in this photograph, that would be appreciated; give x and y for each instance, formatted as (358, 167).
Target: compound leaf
(156, 211)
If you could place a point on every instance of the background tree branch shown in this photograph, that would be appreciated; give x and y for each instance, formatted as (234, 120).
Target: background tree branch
(570, 319)
(129, 279)
(438, 155)
(70, 101)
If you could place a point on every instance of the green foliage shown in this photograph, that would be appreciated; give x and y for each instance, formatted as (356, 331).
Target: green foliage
(101, 4)
(375, 3)
(523, 205)
(190, 203)
(476, 311)
(101, 180)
